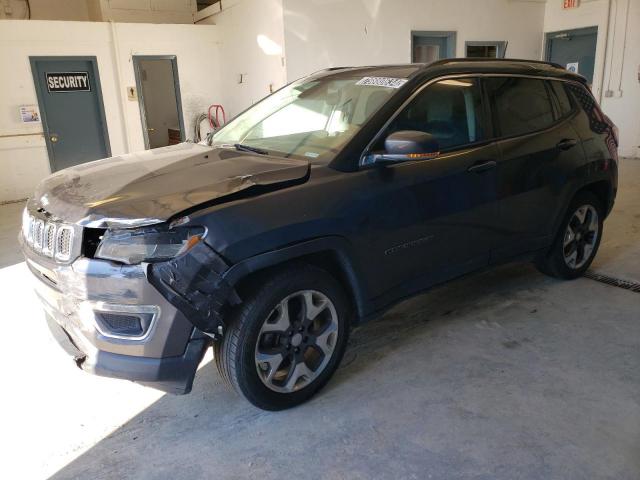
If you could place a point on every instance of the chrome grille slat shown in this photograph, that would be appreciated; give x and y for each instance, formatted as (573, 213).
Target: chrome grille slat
(51, 239)
(48, 241)
(63, 243)
(38, 234)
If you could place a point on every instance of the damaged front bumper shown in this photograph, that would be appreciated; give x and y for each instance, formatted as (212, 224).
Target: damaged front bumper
(116, 324)
(194, 283)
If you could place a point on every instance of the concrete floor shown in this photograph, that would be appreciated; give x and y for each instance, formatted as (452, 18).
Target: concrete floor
(500, 375)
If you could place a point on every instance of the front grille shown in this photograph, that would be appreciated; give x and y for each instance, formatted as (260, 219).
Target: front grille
(51, 239)
(63, 242)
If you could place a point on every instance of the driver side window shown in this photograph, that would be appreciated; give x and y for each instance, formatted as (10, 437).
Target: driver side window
(450, 110)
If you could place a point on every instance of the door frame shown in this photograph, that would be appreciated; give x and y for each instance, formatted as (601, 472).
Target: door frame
(548, 36)
(93, 60)
(501, 46)
(451, 37)
(176, 84)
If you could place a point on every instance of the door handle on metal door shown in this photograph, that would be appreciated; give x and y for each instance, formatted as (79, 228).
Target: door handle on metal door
(567, 143)
(54, 138)
(482, 167)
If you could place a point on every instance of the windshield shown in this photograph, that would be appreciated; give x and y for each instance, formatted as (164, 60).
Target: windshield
(312, 118)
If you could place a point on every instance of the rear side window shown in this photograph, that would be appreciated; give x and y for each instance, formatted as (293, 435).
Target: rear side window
(520, 105)
(561, 97)
(450, 110)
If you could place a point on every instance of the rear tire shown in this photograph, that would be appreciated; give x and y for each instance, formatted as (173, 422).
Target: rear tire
(286, 339)
(577, 241)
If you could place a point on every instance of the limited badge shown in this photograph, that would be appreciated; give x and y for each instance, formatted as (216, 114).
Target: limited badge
(68, 82)
(388, 82)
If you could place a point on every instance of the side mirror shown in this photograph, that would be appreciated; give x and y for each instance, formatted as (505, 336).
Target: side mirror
(409, 145)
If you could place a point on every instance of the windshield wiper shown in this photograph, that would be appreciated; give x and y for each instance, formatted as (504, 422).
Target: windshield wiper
(247, 148)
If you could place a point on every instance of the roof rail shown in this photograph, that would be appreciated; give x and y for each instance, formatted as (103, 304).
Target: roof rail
(506, 60)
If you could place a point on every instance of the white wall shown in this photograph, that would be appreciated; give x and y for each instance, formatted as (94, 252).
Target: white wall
(614, 72)
(148, 11)
(198, 61)
(252, 46)
(59, 10)
(131, 11)
(326, 33)
(23, 158)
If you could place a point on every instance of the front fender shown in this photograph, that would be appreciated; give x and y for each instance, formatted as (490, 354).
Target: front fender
(340, 247)
(201, 284)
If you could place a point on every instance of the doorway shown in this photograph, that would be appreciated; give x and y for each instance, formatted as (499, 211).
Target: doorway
(159, 99)
(574, 50)
(428, 47)
(71, 109)
(485, 49)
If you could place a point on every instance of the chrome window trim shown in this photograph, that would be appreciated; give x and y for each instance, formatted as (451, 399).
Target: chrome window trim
(361, 162)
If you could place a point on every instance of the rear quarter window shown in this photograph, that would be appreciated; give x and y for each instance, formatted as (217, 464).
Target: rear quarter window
(561, 97)
(520, 105)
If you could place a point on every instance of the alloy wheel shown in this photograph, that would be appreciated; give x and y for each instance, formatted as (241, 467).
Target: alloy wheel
(296, 341)
(581, 236)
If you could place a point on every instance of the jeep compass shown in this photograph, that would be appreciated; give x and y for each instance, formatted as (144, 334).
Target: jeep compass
(313, 211)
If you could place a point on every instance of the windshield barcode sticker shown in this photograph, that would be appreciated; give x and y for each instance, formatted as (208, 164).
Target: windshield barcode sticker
(383, 82)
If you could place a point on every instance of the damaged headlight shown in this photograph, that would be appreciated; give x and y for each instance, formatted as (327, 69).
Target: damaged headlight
(149, 244)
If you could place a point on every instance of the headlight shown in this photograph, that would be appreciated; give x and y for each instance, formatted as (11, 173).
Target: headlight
(149, 244)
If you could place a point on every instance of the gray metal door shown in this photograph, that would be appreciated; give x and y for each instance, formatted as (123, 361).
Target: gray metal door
(71, 108)
(574, 49)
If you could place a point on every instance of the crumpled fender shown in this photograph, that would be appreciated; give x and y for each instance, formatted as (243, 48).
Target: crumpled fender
(193, 283)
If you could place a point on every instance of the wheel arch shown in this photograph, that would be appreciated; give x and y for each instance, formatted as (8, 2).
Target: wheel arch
(602, 189)
(333, 254)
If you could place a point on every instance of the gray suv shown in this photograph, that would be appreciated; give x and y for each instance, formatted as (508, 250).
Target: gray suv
(315, 210)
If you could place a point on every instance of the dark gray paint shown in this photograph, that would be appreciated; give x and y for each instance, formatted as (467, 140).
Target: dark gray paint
(151, 186)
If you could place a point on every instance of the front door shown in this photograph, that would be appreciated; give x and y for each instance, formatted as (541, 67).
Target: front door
(432, 220)
(574, 49)
(70, 100)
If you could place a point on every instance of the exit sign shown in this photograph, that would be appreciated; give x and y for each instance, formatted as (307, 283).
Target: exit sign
(570, 4)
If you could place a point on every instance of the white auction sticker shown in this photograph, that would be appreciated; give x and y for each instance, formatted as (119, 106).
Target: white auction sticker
(383, 82)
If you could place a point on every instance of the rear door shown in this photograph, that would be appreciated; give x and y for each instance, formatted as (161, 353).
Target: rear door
(434, 219)
(539, 155)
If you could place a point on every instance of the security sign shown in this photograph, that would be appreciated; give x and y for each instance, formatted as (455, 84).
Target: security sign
(68, 82)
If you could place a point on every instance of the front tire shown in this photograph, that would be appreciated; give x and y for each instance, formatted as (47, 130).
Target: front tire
(286, 339)
(577, 241)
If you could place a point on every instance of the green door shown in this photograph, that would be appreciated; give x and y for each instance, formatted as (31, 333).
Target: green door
(71, 108)
(574, 49)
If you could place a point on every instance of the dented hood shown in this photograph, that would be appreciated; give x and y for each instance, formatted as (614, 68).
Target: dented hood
(150, 187)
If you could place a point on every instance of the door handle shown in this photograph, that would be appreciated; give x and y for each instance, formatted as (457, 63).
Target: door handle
(151, 129)
(567, 143)
(482, 166)
(54, 138)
